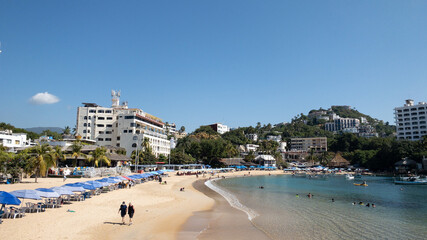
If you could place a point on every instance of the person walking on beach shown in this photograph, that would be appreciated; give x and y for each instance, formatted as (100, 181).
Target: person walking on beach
(122, 211)
(131, 211)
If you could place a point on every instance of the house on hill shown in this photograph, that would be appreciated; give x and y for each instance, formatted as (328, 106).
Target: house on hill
(338, 161)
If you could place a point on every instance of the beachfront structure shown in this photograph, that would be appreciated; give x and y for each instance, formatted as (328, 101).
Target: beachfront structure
(318, 144)
(121, 126)
(340, 124)
(338, 161)
(411, 123)
(220, 128)
(251, 147)
(14, 141)
(266, 160)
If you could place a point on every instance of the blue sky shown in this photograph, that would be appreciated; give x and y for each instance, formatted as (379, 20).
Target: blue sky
(200, 62)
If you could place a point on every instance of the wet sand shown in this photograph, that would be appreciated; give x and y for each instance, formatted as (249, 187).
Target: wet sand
(222, 221)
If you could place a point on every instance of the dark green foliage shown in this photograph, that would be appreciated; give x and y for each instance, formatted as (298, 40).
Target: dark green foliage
(7, 126)
(236, 137)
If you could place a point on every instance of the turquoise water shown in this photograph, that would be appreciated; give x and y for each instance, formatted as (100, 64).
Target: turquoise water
(399, 214)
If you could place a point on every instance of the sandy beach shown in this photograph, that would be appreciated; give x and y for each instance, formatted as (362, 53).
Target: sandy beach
(161, 212)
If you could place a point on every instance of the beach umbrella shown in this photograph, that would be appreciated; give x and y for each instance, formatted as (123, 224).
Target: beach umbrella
(83, 185)
(104, 184)
(47, 193)
(26, 194)
(62, 191)
(9, 199)
(74, 188)
(122, 178)
(95, 184)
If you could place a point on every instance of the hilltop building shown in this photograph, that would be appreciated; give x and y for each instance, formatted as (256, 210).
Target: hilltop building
(252, 136)
(219, 128)
(14, 141)
(340, 124)
(319, 144)
(277, 138)
(120, 126)
(411, 120)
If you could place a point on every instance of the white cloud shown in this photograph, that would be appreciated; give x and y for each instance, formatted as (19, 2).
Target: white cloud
(44, 98)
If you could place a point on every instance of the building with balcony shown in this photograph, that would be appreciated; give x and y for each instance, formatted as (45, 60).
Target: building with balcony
(340, 124)
(14, 141)
(411, 120)
(120, 126)
(318, 144)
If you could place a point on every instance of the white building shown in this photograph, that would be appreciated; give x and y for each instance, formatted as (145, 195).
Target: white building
(12, 141)
(220, 128)
(340, 124)
(251, 147)
(252, 136)
(282, 146)
(121, 126)
(411, 120)
(274, 138)
(266, 160)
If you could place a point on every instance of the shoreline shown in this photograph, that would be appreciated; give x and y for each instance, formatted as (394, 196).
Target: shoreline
(161, 211)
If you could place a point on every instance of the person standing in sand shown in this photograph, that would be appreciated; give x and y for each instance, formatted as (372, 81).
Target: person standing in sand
(131, 211)
(122, 211)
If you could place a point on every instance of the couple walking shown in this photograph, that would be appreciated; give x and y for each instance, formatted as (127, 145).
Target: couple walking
(130, 210)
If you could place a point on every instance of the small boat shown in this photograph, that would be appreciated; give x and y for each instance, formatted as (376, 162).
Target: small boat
(416, 182)
(349, 177)
(364, 184)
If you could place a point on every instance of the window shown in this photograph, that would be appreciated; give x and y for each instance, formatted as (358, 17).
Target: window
(406, 119)
(413, 109)
(414, 118)
(88, 131)
(101, 118)
(422, 122)
(107, 111)
(109, 125)
(129, 117)
(406, 110)
(17, 142)
(414, 127)
(100, 111)
(399, 115)
(414, 113)
(84, 124)
(415, 132)
(125, 131)
(101, 132)
(85, 117)
(421, 108)
(422, 117)
(84, 131)
(100, 139)
(422, 113)
(134, 145)
(130, 131)
(92, 111)
(118, 144)
(109, 118)
(399, 110)
(118, 138)
(132, 124)
(100, 125)
(406, 114)
(423, 132)
(400, 128)
(107, 132)
(108, 139)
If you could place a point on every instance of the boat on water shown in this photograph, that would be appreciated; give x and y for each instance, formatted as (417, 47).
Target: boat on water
(349, 177)
(358, 176)
(413, 180)
(363, 184)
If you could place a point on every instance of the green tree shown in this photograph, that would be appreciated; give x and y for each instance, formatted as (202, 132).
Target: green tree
(98, 156)
(41, 159)
(67, 130)
(76, 152)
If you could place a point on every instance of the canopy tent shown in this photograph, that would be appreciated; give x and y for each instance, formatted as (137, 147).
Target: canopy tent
(95, 184)
(83, 185)
(26, 194)
(74, 188)
(8, 199)
(126, 178)
(47, 193)
(62, 191)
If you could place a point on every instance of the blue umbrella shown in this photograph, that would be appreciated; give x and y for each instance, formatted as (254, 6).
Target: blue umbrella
(104, 184)
(74, 188)
(7, 198)
(26, 194)
(62, 191)
(95, 184)
(47, 193)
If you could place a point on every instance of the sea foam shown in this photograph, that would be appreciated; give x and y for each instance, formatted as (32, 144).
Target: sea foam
(232, 200)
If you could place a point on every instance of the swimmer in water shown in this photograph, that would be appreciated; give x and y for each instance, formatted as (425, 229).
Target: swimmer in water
(368, 205)
(354, 203)
(297, 195)
(373, 205)
(333, 200)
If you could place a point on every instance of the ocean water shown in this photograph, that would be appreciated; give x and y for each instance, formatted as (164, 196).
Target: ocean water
(399, 214)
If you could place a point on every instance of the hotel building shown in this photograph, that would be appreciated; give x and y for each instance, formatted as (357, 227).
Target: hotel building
(220, 128)
(121, 126)
(319, 144)
(13, 141)
(340, 124)
(411, 120)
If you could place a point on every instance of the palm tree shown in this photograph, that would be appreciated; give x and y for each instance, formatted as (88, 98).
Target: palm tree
(67, 130)
(99, 156)
(41, 159)
(57, 154)
(76, 150)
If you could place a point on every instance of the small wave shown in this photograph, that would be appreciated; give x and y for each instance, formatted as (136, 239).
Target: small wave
(232, 200)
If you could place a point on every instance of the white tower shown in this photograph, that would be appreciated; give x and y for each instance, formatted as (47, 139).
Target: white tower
(115, 98)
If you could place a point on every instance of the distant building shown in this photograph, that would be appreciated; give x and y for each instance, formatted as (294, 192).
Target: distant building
(274, 138)
(251, 147)
(219, 128)
(340, 124)
(14, 141)
(120, 126)
(411, 120)
(252, 136)
(266, 160)
(319, 144)
(282, 146)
